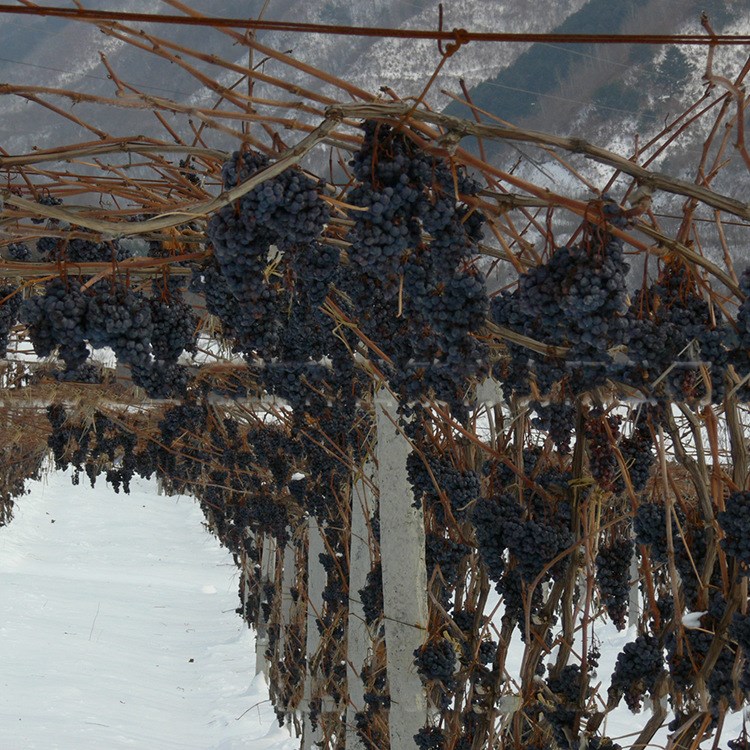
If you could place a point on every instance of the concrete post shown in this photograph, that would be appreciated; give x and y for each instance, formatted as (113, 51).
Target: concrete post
(634, 596)
(402, 551)
(358, 637)
(287, 582)
(316, 581)
(268, 573)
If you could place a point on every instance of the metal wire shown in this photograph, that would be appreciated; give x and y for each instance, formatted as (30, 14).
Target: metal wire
(457, 36)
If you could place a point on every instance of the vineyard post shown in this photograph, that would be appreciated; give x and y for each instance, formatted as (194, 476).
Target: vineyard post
(402, 548)
(248, 574)
(268, 573)
(316, 581)
(633, 596)
(358, 638)
(287, 582)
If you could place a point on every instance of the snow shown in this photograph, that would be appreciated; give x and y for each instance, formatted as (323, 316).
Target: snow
(118, 631)
(118, 628)
(692, 619)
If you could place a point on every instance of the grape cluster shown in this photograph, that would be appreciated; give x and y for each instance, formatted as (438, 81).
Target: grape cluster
(436, 660)
(561, 720)
(720, 682)
(735, 523)
(288, 205)
(602, 460)
(19, 251)
(613, 577)
(689, 541)
(80, 250)
(513, 590)
(58, 319)
(188, 418)
(244, 260)
(174, 328)
(145, 333)
(371, 596)
(557, 419)
(161, 380)
(440, 479)
(578, 299)
(534, 545)
(446, 556)
(219, 299)
(430, 738)
(638, 455)
(315, 267)
(740, 631)
(672, 332)
(120, 318)
(10, 304)
(531, 545)
(687, 661)
(410, 285)
(255, 241)
(490, 518)
(567, 684)
(637, 669)
(88, 372)
(740, 356)
(649, 526)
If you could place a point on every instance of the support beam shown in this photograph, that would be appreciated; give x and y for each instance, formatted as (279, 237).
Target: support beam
(402, 551)
(633, 596)
(288, 576)
(316, 581)
(249, 577)
(358, 637)
(268, 574)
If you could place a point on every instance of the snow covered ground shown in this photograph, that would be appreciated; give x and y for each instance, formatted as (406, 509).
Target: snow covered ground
(118, 629)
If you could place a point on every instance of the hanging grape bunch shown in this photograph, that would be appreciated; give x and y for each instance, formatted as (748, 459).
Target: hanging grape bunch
(255, 239)
(70, 319)
(679, 346)
(613, 577)
(576, 299)
(411, 285)
(10, 304)
(735, 523)
(637, 669)
(57, 319)
(175, 323)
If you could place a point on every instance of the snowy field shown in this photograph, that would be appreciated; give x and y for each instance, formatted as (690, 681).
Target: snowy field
(118, 629)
